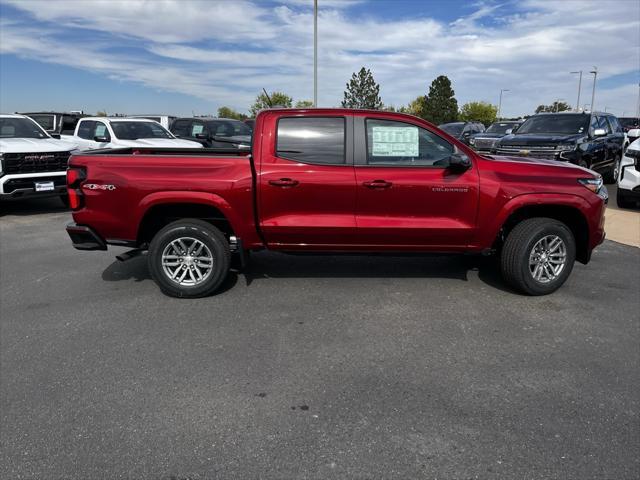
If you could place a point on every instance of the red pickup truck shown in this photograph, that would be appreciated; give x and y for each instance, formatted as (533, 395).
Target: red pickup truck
(335, 180)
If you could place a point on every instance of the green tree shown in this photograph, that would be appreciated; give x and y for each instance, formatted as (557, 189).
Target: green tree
(304, 104)
(101, 113)
(479, 111)
(278, 99)
(362, 91)
(440, 105)
(227, 112)
(416, 106)
(554, 107)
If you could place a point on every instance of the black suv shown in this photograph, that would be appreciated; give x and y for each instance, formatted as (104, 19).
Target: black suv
(207, 130)
(592, 140)
(462, 130)
(485, 141)
(56, 123)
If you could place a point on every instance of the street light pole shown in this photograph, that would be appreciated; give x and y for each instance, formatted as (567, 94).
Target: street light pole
(315, 53)
(500, 102)
(593, 92)
(579, 88)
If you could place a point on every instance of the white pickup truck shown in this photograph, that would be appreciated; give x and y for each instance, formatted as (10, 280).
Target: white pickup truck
(32, 163)
(119, 132)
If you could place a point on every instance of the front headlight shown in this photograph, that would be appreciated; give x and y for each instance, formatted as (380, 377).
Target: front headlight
(472, 141)
(594, 183)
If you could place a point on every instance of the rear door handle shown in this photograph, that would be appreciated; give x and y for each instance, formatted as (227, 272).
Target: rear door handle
(284, 182)
(377, 184)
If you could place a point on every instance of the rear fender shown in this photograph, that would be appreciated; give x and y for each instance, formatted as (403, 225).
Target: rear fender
(210, 199)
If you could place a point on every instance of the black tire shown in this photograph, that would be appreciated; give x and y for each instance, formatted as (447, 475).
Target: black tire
(611, 174)
(65, 200)
(623, 201)
(199, 230)
(514, 259)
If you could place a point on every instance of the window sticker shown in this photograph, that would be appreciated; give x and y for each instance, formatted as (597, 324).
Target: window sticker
(196, 129)
(395, 142)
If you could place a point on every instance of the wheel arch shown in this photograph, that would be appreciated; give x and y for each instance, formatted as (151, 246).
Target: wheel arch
(568, 213)
(158, 210)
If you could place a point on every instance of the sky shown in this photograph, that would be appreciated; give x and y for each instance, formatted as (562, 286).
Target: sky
(188, 57)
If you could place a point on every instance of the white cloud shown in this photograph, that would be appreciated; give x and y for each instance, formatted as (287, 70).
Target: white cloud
(226, 52)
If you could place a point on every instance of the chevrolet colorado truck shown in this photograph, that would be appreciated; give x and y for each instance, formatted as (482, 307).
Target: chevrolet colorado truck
(335, 180)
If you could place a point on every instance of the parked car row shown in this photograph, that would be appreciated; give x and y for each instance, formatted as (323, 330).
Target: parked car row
(34, 147)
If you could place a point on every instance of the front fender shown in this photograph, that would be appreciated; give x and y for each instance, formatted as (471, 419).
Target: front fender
(495, 222)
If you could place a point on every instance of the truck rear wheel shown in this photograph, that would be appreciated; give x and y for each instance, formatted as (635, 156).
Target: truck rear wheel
(538, 256)
(189, 258)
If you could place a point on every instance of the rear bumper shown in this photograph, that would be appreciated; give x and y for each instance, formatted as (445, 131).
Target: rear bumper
(85, 238)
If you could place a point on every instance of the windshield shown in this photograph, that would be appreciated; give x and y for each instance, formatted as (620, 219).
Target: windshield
(629, 122)
(501, 127)
(228, 128)
(137, 130)
(559, 124)
(15, 127)
(452, 128)
(45, 121)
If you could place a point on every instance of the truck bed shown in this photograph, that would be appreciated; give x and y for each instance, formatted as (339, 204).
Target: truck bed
(124, 185)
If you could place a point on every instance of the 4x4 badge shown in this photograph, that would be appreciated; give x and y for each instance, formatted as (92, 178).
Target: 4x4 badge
(95, 186)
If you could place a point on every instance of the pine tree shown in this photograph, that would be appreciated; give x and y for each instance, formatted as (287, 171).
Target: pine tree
(440, 106)
(362, 91)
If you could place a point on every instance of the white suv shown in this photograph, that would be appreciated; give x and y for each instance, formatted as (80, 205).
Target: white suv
(32, 163)
(629, 175)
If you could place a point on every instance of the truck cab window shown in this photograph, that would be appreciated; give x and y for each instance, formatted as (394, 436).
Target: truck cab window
(86, 129)
(391, 143)
(318, 140)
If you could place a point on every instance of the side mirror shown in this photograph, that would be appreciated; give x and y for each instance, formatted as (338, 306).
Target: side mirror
(599, 132)
(202, 136)
(459, 162)
(55, 135)
(509, 131)
(634, 132)
(101, 139)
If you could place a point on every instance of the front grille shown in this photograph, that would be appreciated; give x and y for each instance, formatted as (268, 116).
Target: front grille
(34, 162)
(29, 183)
(484, 143)
(539, 151)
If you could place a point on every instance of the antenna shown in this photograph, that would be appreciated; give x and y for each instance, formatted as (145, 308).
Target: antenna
(268, 98)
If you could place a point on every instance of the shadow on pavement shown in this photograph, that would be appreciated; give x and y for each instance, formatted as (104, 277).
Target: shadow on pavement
(265, 265)
(31, 206)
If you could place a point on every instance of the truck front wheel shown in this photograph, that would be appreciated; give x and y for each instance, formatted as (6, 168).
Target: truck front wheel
(538, 256)
(189, 258)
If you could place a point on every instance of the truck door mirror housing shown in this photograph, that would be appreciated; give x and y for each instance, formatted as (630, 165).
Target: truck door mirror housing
(202, 136)
(509, 131)
(101, 139)
(634, 132)
(599, 132)
(459, 162)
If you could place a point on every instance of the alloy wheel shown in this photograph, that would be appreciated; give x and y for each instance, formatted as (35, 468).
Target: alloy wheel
(187, 261)
(547, 259)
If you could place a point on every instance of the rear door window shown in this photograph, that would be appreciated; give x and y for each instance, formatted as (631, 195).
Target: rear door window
(319, 140)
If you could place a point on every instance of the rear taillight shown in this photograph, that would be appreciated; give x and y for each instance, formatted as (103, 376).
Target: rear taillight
(75, 177)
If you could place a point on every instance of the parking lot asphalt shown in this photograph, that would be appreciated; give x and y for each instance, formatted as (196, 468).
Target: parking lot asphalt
(312, 367)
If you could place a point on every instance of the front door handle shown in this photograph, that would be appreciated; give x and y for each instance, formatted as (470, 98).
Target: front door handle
(284, 182)
(377, 184)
